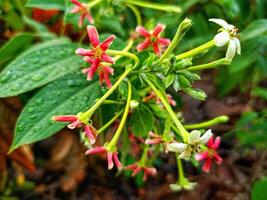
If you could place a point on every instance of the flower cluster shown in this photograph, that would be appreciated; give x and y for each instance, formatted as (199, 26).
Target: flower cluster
(152, 39)
(97, 56)
(83, 9)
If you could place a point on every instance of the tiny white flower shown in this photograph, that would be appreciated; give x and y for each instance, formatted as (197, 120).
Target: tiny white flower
(185, 150)
(176, 187)
(177, 147)
(227, 35)
(134, 104)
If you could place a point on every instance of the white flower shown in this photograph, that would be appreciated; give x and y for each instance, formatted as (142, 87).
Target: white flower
(194, 140)
(186, 186)
(227, 35)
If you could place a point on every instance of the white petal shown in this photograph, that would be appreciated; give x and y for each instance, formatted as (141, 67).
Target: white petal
(205, 137)
(177, 147)
(238, 46)
(175, 187)
(221, 38)
(220, 22)
(231, 50)
(185, 155)
(194, 136)
(190, 186)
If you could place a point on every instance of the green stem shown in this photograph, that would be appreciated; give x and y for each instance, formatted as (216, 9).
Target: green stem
(109, 122)
(136, 13)
(93, 3)
(214, 64)
(182, 29)
(216, 120)
(113, 102)
(156, 6)
(125, 49)
(87, 115)
(143, 159)
(126, 54)
(195, 51)
(182, 130)
(180, 170)
(116, 136)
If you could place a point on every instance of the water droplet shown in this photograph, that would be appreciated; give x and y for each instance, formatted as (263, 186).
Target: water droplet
(20, 127)
(31, 109)
(36, 128)
(15, 87)
(39, 101)
(33, 116)
(5, 77)
(71, 83)
(37, 77)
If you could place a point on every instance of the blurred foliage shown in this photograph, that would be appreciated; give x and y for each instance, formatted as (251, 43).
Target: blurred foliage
(259, 189)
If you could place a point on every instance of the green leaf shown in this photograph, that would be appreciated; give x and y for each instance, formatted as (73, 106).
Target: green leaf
(41, 29)
(169, 80)
(69, 95)
(184, 83)
(255, 29)
(38, 67)
(14, 46)
(196, 93)
(47, 4)
(259, 189)
(260, 92)
(142, 121)
(112, 23)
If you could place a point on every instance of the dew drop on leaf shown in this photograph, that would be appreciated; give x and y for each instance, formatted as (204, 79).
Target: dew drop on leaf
(71, 83)
(20, 127)
(31, 109)
(37, 77)
(15, 87)
(33, 116)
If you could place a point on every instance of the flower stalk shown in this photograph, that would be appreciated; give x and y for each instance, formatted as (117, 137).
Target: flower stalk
(88, 114)
(196, 50)
(183, 132)
(182, 29)
(155, 6)
(113, 142)
(105, 126)
(136, 13)
(216, 120)
(214, 64)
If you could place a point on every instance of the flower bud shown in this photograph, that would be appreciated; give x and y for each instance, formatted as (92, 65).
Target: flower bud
(134, 104)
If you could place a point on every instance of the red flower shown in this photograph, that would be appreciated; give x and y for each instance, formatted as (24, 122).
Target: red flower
(97, 54)
(104, 73)
(112, 157)
(154, 139)
(74, 121)
(148, 171)
(210, 154)
(152, 39)
(83, 10)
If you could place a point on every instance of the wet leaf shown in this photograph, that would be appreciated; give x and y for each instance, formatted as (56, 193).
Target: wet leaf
(69, 95)
(37, 67)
